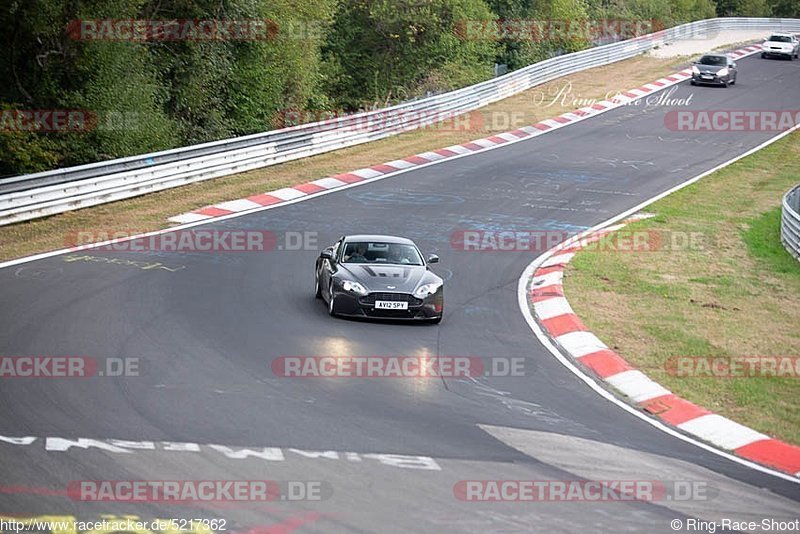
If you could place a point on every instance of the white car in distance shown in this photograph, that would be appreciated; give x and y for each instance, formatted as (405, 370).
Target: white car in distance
(781, 45)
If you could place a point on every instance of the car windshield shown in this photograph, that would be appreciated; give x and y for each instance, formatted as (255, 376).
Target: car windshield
(377, 252)
(781, 38)
(713, 60)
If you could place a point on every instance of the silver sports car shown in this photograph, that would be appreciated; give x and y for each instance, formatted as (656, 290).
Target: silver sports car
(379, 276)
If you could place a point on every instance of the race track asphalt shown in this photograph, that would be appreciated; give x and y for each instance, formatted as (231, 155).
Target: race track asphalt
(206, 331)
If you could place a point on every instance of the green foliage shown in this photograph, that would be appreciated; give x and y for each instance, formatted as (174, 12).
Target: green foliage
(659, 13)
(784, 8)
(541, 18)
(763, 240)
(689, 10)
(158, 94)
(744, 8)
(121, 88)
(326, 54)
(285, 73)
(382, 50)
(753, 8)
(52, 71)
(25, 152)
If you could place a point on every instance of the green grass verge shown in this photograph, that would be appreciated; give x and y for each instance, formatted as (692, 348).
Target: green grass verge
(736, 293)
(763, 241)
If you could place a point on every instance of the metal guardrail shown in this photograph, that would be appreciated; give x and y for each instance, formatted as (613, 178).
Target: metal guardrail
(790, 222)
(47, 193)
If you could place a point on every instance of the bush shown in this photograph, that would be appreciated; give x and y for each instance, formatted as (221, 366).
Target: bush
(383, 50)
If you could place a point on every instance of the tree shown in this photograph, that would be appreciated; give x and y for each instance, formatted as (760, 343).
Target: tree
(382, 50)
(53, 70)
(150, 94)
(785, 8)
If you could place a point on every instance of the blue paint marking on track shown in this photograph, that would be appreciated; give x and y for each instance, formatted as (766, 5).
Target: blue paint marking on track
(403, 197)
(515, 224)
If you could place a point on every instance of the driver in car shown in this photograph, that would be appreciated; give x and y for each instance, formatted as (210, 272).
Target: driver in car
(357, 256)
(397, 255)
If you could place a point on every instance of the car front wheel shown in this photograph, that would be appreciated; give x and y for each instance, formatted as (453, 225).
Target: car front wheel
(317, 289)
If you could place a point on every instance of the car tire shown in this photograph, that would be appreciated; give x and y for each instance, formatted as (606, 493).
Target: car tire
(733, 81)
(763, 55)
(693, 82)
(330, 301)
(317, 288)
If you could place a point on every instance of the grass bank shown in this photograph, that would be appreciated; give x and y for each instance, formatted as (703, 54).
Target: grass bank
(736, 292)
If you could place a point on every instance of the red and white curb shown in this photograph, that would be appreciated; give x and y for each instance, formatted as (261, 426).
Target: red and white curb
(368, 174)
(555, 317)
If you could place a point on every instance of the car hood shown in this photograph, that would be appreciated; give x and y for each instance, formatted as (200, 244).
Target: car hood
(391, 278)
(777, 44)
(709, 69)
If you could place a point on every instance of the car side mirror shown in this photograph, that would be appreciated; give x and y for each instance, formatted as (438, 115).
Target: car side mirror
(326, 254)
(433, 258)
(733, 65)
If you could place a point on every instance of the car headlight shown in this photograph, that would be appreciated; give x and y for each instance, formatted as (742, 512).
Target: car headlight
(427, 289)
(354, 287)
(695, 70)
(722, 72)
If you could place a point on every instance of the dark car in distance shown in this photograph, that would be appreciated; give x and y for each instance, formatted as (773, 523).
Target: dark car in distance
(378, 276)
(714, 69)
